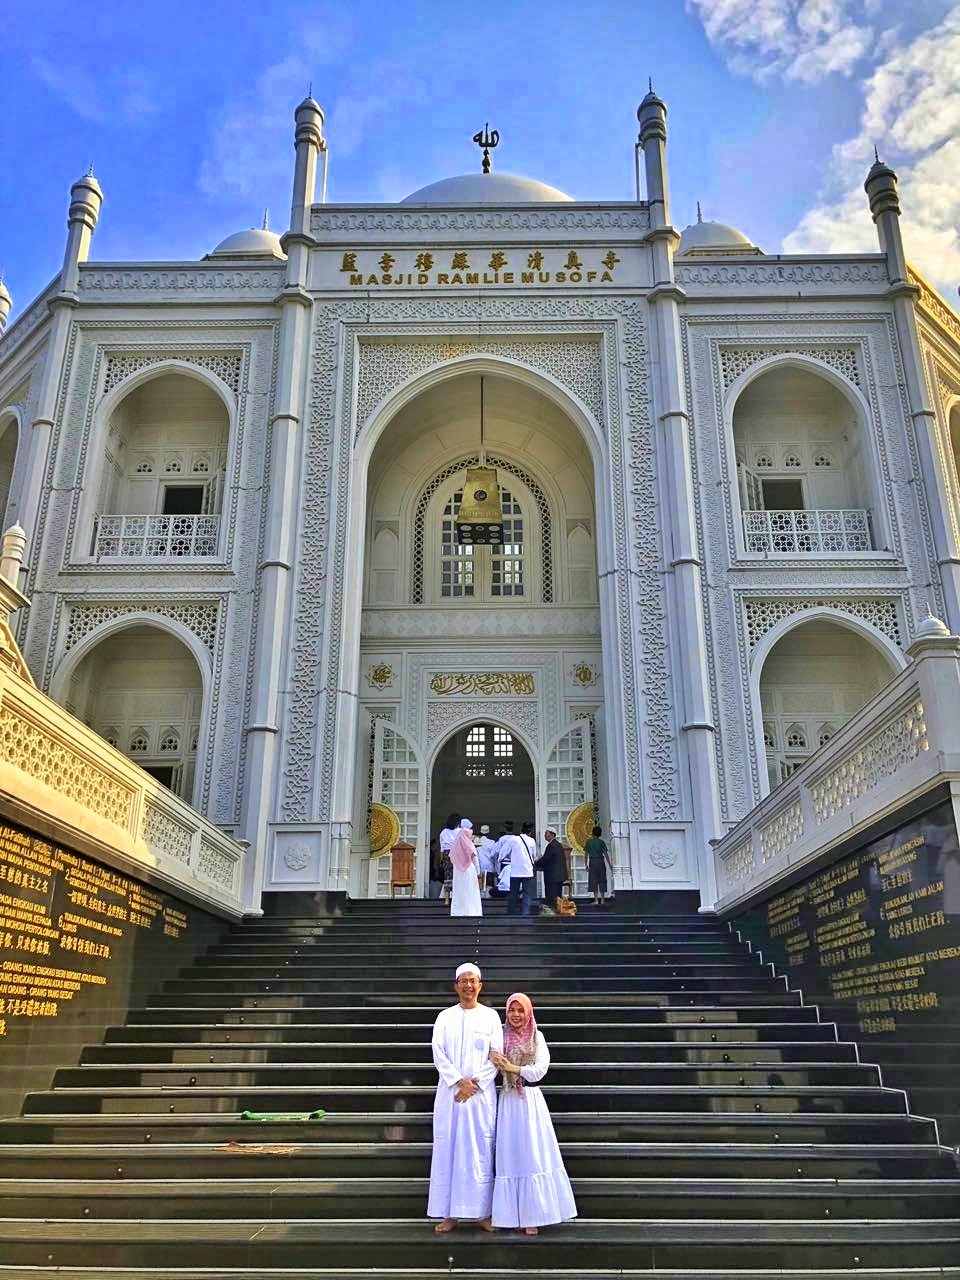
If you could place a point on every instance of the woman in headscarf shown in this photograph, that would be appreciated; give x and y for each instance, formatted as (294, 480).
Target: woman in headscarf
(531, 1189)
(465, 899)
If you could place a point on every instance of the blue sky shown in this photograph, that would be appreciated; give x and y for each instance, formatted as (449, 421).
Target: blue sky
(186, 112)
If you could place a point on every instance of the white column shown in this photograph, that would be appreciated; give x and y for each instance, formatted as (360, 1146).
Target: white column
(85, 201)
(275, 570)
(684, 568)
(881, 188)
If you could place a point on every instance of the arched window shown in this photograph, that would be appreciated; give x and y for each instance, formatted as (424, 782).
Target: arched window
(481, 573)
(488, 752)
(521, 569)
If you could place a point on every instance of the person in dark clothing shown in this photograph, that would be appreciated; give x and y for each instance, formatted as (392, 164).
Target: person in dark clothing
(553, 863)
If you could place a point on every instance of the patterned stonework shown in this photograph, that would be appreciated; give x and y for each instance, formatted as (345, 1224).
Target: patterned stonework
(225, 365)
(384, 366)
(217, 867)
(777, 277)
(29, 748)
(735, 361)
(781, 832)
(198, 618)
(764, 614)
(311, 727)
(541, 222)
(893, 746)
(444, 717)
(164, 835)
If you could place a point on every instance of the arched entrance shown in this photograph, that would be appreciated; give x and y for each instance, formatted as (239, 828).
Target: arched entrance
(140, 688)
(476, 661)
(484, 773)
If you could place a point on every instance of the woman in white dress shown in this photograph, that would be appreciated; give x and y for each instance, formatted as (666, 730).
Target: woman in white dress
(531, 1189)
(465, 898)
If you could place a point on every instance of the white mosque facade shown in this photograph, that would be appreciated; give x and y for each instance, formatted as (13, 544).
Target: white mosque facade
(729, 490)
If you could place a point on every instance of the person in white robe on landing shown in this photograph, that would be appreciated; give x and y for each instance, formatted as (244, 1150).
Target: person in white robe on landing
(465, 898)
(532, 1189)
(465, 1108)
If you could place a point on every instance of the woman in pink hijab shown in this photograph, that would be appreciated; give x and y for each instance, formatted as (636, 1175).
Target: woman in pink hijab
(532, 1189)
(465, 898)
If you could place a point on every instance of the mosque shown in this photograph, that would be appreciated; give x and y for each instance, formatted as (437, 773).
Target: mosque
(489, 500)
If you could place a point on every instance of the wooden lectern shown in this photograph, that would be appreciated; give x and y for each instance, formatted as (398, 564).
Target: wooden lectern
(401, 867)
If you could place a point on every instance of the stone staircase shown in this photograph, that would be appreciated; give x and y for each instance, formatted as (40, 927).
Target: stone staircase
(711, 1123)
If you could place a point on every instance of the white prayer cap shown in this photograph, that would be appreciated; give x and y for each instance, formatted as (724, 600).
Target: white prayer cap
(465, 822)
(484, 830)
(467, 968)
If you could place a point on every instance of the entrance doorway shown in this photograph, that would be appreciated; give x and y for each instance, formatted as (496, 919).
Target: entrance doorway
(484, 773)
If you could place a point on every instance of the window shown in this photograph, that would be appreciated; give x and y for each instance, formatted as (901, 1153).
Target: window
(183, 499)
(488, 752)
(482, 573)
(782, 495)
(524, 569)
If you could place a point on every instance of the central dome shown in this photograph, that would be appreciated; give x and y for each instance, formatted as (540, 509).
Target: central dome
(486, 188)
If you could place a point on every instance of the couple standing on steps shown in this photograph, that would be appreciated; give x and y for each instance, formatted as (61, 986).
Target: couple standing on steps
(471, 1132)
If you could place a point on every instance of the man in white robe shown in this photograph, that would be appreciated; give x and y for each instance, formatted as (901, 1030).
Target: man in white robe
(465, 1108)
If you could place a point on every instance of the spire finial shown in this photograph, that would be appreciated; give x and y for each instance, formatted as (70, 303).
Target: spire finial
(699, 213)
(876, 154)
(650, 84)
(266, 220)
(310, 89)
(89, 173)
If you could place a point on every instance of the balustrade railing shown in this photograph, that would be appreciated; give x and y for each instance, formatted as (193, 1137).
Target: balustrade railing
(803, 532)
(905, 741)
(156, 537)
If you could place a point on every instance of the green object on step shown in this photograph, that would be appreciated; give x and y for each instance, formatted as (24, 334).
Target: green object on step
(283, 1115)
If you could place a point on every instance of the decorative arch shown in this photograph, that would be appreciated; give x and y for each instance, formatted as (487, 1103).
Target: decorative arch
(369, 430)
(796, 359)
(473, 717)
(839, 503)
(11, 434)
(119, 390)
(60, 679)
(428, 492)
(880, 642)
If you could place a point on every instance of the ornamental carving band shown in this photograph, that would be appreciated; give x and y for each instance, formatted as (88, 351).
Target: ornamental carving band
(483, 682)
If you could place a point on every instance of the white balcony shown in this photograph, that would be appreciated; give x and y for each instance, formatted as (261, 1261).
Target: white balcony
(178, 537)
(807, 532)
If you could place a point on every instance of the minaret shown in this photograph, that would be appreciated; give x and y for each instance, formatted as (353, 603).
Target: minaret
(883, 194)
(85, 201)
(683, 580)
(6, 302)
(275, 571)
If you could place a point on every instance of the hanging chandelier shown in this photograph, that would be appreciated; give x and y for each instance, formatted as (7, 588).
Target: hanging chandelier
(479, 521)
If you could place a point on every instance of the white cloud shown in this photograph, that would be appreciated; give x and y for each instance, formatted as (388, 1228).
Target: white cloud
(801, 40)
(911, 110)
(121, 96)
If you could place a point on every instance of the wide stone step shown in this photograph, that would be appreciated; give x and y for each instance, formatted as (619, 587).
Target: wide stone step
(634, 1032)
(254, 1159)
(643, 1244)
(616, 1126)
(750, 1053)
(272, 995)
(396, 1012)
(399, 1099)
(587, 1075)
(346, 1197)
(368, 969)
(471, 1273)
(600, 983)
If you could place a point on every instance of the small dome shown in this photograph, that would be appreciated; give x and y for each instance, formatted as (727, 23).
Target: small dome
(255, 243)
(714, 238)
(486, 188)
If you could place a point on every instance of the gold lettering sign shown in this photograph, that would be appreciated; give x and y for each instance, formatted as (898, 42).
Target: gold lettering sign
(63, 920)
(468, 268)
(485, 683)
